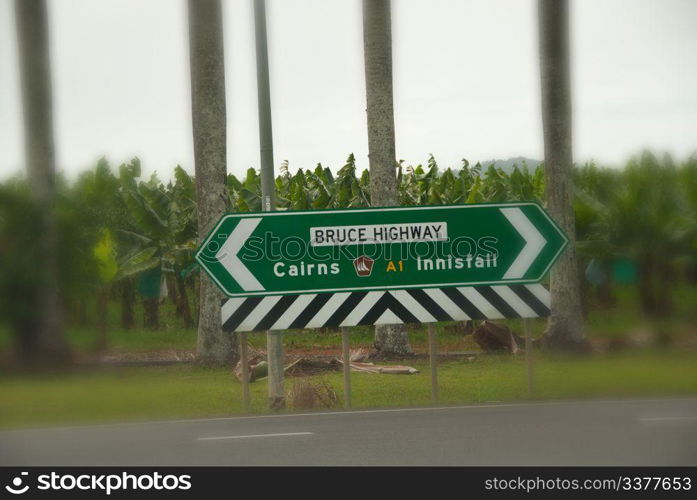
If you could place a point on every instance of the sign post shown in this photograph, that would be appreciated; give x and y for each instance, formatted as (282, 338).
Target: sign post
(528, 357)
(244, 362)
(346, 357)
(433, 358)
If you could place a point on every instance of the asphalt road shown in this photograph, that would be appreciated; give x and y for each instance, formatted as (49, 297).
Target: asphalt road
(630, 432)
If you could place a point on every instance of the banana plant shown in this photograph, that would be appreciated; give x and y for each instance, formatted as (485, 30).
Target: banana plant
(163, 235)
(495, 184)
(245, 196)
(349, 191)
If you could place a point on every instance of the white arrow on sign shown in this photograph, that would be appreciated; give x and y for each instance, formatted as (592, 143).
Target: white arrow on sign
(534, 242)
(227, 255)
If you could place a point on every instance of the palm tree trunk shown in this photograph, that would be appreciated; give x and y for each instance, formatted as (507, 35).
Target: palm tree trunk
(35, 71)
(209, 127)
(390, 340)
(565, 328)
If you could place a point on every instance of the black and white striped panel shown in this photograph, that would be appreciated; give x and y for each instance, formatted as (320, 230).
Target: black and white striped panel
(384, 307)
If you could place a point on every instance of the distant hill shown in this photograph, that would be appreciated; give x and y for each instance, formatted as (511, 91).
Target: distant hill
(507, 165)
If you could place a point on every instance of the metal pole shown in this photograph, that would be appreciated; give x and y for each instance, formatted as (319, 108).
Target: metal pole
(264, 104)
(274, 340)
(274, 353)
(528, 356)
(433, 355)
(244, 360)
(346, 356)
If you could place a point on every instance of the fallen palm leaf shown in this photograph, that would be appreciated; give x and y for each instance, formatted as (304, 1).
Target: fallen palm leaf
(388, 369)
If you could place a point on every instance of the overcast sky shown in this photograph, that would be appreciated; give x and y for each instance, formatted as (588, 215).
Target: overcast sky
(465, 80)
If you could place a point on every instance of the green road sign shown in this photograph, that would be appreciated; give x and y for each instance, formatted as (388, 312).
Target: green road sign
(296, 252)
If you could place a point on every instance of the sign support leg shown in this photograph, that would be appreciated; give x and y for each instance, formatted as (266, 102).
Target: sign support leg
(433, 355)
(528, 356)
(274, 353)
(346, 356)
(244, 361)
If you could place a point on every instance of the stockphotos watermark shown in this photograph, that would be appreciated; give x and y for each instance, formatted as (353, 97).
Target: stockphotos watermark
(106, 483)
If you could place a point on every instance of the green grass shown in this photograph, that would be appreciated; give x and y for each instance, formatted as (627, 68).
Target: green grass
(186, 391)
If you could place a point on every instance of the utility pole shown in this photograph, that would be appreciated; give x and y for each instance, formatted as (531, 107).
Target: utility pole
(274, 340)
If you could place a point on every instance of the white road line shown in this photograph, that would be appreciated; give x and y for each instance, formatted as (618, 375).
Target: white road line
(666, 419)
(279, 434)
(491, 405)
